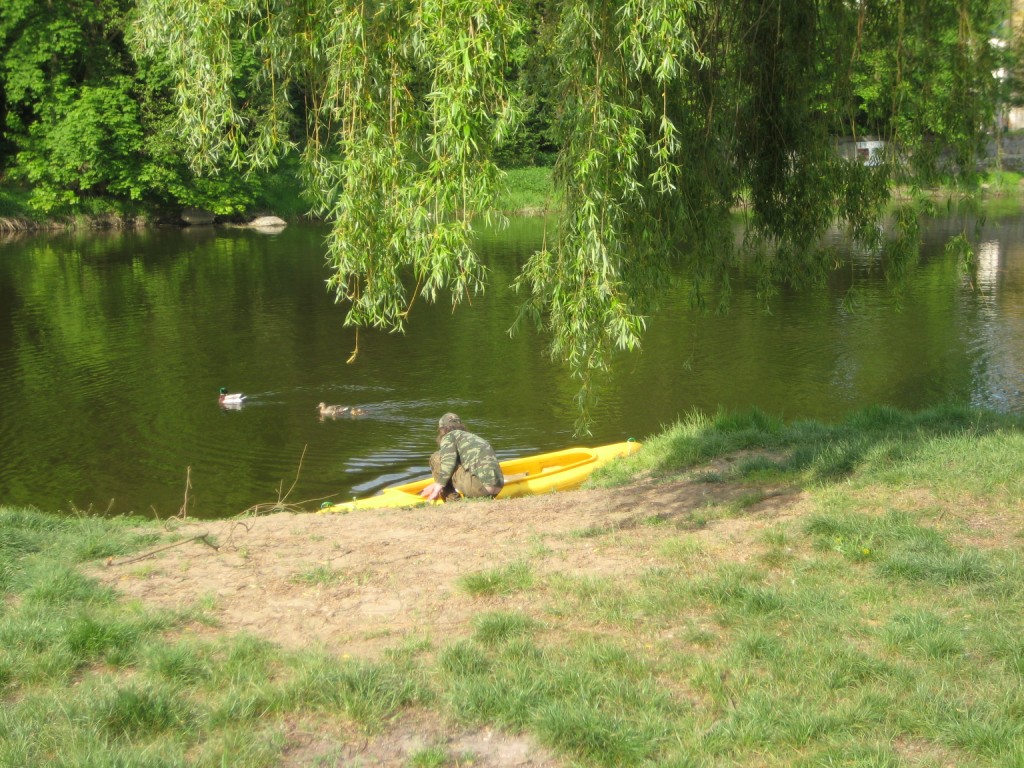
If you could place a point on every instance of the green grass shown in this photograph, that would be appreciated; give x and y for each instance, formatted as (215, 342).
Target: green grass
(950, 449)
(431, 757)
(321, 575)
(505, 580)
(90, 680)
(593, 701)
(881, 627)
(528, 191)
(14, 206)
(1002, 183)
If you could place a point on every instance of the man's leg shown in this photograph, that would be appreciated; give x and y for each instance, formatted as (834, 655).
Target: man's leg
(469, 485)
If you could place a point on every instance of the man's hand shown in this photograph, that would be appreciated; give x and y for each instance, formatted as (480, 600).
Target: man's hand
(432, 491)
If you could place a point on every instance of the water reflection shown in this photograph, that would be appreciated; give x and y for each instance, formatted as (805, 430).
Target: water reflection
(998, 342)
(113, 347)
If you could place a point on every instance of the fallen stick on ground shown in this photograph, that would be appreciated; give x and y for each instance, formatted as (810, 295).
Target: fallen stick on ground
(203, 537)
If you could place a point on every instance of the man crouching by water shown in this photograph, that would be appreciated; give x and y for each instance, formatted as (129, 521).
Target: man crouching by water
(464, 463)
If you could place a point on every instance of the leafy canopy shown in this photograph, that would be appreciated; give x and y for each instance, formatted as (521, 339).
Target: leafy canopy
(666, 115)
(85, 126)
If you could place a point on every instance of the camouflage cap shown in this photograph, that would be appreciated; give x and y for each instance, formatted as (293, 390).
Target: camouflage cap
(449, 421)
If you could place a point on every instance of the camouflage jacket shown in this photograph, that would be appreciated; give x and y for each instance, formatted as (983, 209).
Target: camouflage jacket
(472, 452)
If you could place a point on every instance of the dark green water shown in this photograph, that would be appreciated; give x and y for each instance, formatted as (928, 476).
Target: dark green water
(113, 346)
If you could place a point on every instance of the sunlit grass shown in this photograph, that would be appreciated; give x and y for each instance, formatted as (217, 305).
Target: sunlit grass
(592, 700)
(430, 757)
(496, 628)
(504, 580)
(948, 448)
(318, 575)
(681, 548)
(528, 190)
(88, 680)
(365, 693)
(847, 626)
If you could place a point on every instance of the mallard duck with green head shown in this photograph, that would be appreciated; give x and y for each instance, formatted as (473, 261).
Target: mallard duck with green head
(230, 398)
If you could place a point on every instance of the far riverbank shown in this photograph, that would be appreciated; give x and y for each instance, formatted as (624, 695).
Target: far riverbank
(528, 192)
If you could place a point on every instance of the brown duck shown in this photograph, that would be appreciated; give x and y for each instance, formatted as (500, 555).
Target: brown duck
(334, 411)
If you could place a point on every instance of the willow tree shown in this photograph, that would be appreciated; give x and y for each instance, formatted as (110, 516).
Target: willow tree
(670, 114)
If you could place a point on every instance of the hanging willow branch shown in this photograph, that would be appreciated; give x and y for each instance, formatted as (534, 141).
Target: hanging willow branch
(668, 114)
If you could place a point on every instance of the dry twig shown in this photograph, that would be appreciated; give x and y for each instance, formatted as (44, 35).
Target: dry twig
(282, 504)
(183, 512)
(203, 537)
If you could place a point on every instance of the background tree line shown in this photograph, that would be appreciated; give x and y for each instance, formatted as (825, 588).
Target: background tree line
(81, 117)
(86, 126)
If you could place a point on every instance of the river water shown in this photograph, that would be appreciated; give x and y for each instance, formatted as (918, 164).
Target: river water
(113, 347)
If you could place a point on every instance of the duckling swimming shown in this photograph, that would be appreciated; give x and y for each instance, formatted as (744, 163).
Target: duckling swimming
(336, 411)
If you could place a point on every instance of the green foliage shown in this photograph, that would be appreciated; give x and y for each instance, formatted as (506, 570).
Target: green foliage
(85, 127)
(86, 149)
(404, 107)
(66, 97)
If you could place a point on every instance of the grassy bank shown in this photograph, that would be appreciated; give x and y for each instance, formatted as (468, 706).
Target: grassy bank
(529, 192)
(276, 192)
(876, 623)
(15, 213)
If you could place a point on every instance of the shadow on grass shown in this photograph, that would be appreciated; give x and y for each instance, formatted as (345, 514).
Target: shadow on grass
(946, 446)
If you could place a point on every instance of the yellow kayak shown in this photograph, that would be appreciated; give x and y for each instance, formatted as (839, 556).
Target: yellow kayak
(543, 473)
